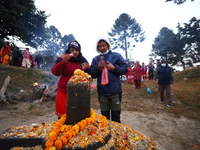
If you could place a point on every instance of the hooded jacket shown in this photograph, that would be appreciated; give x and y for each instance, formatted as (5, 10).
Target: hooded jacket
(121, 68)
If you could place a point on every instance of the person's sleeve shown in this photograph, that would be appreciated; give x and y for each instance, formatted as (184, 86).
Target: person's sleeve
(94, 69)
(8, 48)
(1, 53)
(171, 76)
(156, 73)
(134, 69)
(121, 68)
(58, 68)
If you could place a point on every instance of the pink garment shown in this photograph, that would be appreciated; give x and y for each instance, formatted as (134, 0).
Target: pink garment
(26, 54)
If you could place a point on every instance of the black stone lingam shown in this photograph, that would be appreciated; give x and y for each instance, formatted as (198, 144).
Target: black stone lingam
(78, 102)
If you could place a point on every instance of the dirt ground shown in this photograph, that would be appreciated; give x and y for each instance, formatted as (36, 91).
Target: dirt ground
(176, 128)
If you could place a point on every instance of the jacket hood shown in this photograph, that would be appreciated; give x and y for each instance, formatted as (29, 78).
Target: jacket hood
(102, 37)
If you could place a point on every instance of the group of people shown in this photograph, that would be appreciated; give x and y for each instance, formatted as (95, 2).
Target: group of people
(139, 73)
(109, 95)
(20, 59)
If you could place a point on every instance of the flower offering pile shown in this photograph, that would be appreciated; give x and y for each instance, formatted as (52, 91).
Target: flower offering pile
(80, 76)
(87, 132)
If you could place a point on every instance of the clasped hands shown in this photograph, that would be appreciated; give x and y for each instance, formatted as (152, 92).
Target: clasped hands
(109, 66)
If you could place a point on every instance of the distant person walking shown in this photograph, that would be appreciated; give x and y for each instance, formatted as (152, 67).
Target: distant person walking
(6, 54)
(20, 59)
(151, 70)
(137, 75)
(144, 72)
(26, 59)
(165, 80)
(16, 56)
(39, 60)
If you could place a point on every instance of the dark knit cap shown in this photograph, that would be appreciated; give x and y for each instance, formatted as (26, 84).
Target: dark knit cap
(75, 45)
(163, 61)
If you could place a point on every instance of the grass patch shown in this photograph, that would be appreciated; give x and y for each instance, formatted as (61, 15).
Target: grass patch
(31, 106)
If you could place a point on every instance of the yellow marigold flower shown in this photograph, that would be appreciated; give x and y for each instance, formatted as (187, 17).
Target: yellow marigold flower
(52, 148)
(75, 128)
(136, 138)
(58, 144)
(49, 143)
(62, 129)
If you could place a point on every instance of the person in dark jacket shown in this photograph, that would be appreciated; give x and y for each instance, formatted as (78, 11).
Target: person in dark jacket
(16, 56)
(110, 94)
(39, 60)
(165, 80)
(65, 66)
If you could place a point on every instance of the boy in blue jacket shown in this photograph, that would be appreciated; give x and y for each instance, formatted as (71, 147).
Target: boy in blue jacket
(110, 95)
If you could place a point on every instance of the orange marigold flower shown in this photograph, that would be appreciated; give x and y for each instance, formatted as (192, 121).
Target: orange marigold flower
(57, 130)
(81, 126)
(49, 143)
(68, 127)
(58, 144)
(53, 136)
(84, 122)
(73, 133)
(89, 120)
(64, 140)
(68, 135)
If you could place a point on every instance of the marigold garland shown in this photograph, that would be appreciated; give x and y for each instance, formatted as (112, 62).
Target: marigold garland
(71, 132)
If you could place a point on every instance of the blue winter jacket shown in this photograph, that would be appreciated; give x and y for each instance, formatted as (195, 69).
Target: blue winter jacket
(164, 75)
(121, 68)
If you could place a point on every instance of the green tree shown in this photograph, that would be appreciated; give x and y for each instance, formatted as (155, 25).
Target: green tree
(66, 40)
(183, 47)
(54, 46)
(124, 31)
(190, 33)
(178, 2)
(170, 46)
(23, 20)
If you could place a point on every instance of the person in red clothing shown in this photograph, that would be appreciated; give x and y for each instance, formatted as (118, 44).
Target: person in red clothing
(65, 66)
(6, 54)
(129, 75)
(137, 75)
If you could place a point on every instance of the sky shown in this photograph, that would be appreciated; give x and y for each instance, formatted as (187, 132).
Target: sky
(88, 19)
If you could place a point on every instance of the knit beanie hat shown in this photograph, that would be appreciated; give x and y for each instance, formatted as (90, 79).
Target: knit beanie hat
(163, 61)
(75, 45)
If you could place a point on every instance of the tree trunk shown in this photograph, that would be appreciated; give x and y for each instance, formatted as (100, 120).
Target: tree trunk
(3, 89)
(183, 63)
(125, 46)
